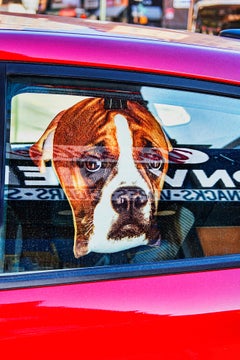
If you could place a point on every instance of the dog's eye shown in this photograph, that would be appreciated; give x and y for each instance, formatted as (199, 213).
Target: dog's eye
(156, 165)
(93, 165)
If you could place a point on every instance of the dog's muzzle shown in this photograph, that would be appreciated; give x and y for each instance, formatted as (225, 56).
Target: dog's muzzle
(129, 204)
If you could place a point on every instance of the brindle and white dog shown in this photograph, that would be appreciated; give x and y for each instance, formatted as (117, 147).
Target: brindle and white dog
(111, 165)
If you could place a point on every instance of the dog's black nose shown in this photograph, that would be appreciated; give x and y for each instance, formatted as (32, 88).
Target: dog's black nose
(128, 199)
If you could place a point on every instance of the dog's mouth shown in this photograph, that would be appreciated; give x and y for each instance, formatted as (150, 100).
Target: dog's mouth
(133, 228)
(128, 228)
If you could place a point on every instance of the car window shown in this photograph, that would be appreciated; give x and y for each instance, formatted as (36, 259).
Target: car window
(100, 176)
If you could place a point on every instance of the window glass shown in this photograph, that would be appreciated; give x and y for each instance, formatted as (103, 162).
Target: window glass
(100, 177)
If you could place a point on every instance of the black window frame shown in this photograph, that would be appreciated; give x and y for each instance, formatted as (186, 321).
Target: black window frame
(2, 133)
(79, 275)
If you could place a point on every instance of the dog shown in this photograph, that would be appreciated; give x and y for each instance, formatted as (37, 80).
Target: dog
(111, 162)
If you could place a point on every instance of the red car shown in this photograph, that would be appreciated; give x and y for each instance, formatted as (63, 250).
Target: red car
(120, 191)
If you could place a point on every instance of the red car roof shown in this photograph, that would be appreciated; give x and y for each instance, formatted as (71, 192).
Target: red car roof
(57, 40)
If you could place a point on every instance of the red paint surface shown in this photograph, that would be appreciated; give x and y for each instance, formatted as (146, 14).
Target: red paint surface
(122, 53)
(188, 316)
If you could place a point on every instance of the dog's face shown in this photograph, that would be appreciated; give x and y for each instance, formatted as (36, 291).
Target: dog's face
(111, 165)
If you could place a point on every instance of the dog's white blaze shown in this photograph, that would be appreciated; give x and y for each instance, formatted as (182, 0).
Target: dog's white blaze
(127, 175)
(127, 171)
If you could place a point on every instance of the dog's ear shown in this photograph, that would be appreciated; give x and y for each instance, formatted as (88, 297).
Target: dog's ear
(42, 150)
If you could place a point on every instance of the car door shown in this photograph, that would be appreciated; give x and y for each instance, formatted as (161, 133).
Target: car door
(120, 215)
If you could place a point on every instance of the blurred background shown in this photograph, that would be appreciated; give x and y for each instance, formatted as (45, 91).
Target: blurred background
(205, 16)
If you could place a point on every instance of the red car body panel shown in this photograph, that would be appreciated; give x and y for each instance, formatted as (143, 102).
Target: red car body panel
(103, 46)
(183, 316)
(176, 316)
(132, 54)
